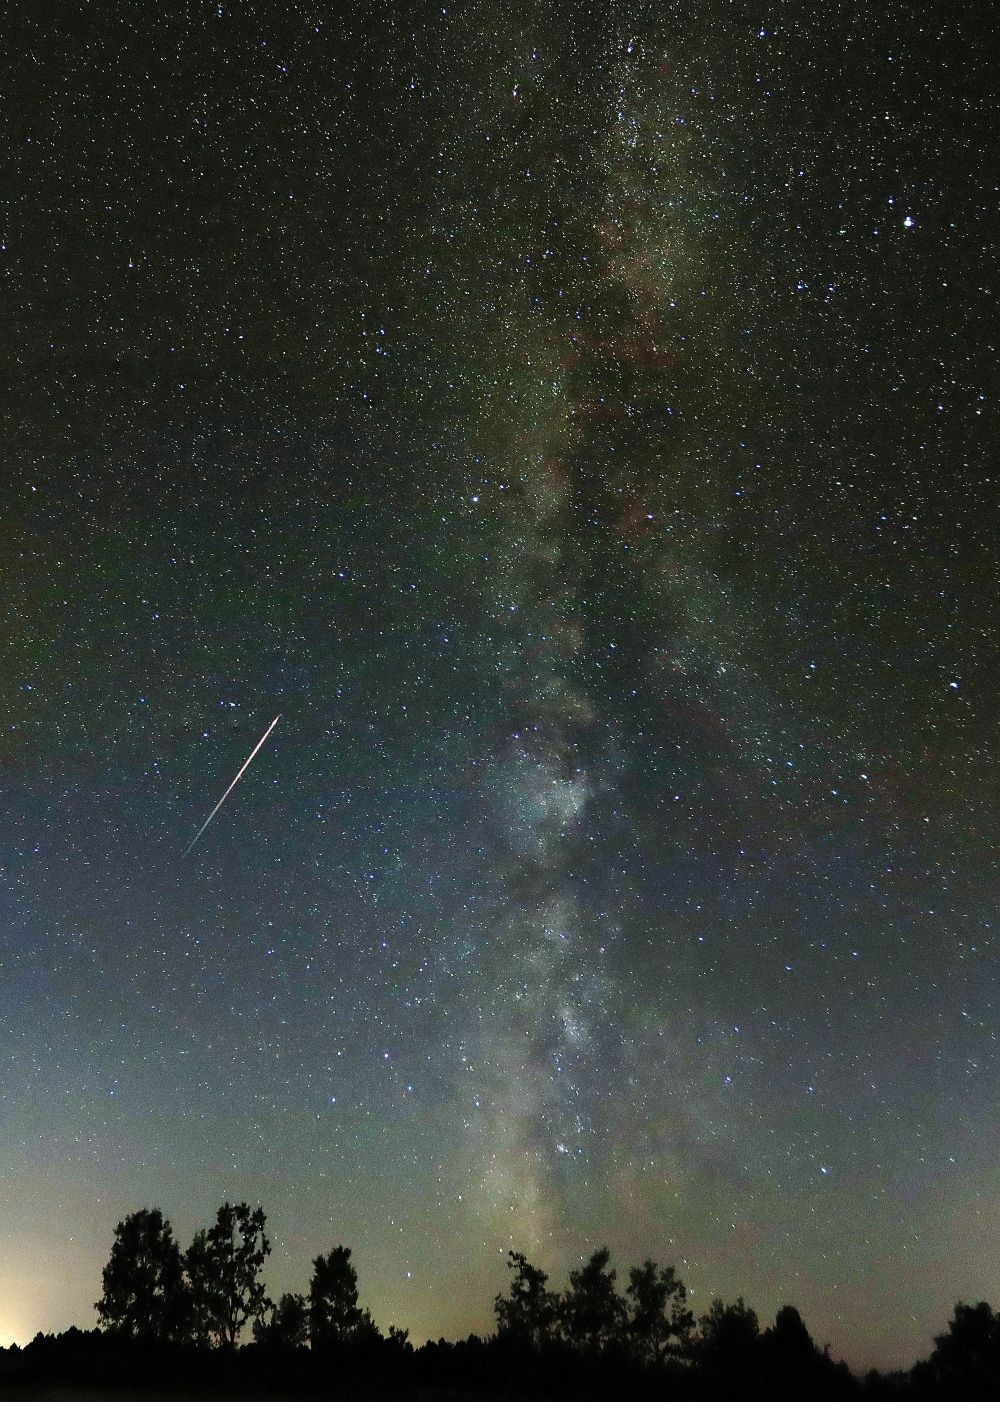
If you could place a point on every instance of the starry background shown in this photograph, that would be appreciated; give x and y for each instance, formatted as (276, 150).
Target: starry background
(577, 421)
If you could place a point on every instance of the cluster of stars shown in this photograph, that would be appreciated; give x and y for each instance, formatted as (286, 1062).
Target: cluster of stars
(580, 428)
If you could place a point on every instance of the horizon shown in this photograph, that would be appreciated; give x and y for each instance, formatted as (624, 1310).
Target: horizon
(482, 1322)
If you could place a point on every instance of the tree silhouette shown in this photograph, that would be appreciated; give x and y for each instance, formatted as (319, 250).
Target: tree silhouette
(286, 1326)
(790, 1359)
(529, 1313)
(659, 1322)
(789, 1339)
(730, 1335)
(966, 1360)
(223, 1267)
(201, 1292)
(144, 1291)
(334, 1314)
(399, 1340)
(592, 1313)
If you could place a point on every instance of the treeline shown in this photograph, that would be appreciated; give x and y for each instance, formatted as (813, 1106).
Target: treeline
(200, 1321)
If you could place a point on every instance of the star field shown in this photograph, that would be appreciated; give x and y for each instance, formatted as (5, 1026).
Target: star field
(578, 422)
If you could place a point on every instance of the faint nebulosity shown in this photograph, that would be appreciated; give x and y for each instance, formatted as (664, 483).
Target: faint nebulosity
(578, 422)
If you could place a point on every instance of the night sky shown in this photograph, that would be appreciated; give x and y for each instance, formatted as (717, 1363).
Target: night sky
(577, 421)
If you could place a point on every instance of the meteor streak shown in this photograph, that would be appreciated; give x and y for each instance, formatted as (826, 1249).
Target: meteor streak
(232, 786)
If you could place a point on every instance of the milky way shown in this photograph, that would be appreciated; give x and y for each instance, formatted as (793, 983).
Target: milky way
(578, 424)
(602, 427)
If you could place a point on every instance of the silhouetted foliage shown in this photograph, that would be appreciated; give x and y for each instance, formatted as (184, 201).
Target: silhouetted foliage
(285, 1325)
(334, 1314)
(528, 1314)
(789, 1335)
(164, 1316)
(145, 1295)
(659, 1324)
(884, 1387)
(729, 1338)
(223, 1268)
(965, 1362)
(592, 1313)
(399, 1339)
(793, 1365)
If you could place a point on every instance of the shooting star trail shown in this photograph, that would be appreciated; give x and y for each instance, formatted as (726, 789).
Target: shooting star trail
(232, 786)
